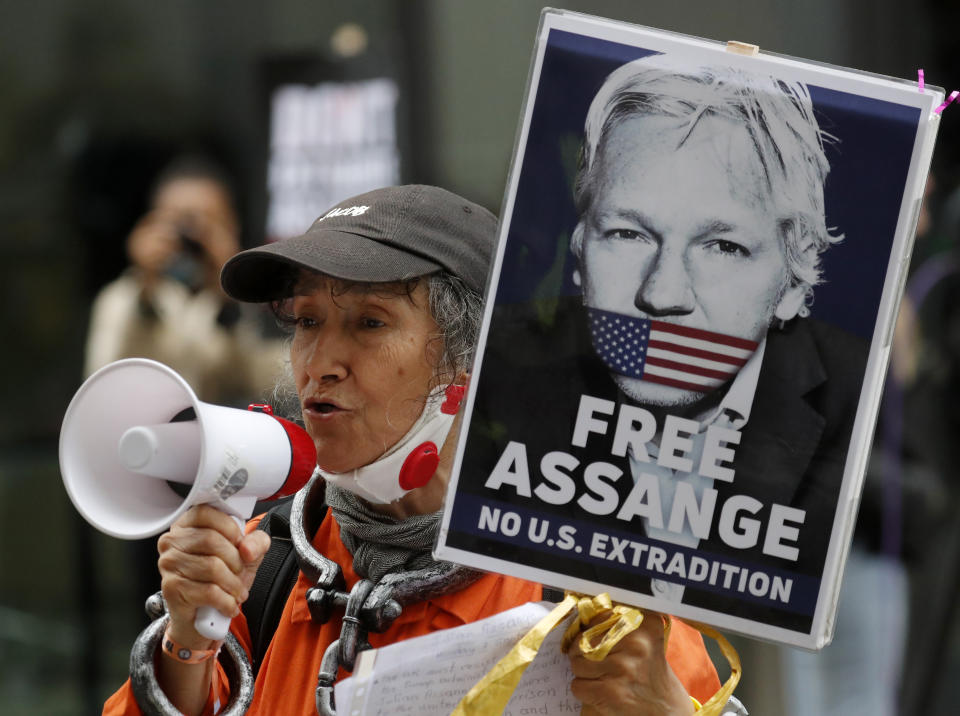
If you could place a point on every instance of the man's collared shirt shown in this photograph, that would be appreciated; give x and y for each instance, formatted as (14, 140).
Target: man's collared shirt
(733, 412)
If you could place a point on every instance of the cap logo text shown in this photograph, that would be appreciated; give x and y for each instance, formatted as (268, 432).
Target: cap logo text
(345, 211)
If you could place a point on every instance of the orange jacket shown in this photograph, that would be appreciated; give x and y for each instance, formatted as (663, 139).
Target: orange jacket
(288, 675)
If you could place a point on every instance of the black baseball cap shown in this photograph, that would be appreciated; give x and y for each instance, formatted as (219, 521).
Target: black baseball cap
(392, 234)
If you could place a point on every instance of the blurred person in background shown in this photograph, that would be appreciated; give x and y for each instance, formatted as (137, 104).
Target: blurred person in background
(167, 305)
(930, 421)
(901, 511)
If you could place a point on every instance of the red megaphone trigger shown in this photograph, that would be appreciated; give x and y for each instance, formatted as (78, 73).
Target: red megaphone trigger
(454, 395)
(303, 453)
(419, 466)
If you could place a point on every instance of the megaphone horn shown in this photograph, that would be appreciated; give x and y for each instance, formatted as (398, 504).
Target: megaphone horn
(135, 425)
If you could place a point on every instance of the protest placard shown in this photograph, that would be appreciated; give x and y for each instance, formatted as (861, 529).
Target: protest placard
(700, 259)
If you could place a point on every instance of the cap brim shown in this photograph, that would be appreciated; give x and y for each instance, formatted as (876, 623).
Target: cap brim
(265, 273)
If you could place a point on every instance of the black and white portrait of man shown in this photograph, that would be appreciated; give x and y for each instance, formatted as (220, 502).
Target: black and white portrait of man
(700, 202)
(700, 197)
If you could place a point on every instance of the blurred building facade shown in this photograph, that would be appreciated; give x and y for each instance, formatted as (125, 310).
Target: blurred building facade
(96, 96)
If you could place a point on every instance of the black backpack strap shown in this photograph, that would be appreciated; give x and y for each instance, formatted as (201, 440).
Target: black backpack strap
(274, 581)
(552, 594)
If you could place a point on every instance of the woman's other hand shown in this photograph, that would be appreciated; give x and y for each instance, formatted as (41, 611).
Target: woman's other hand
(634, 679)
(206, 560)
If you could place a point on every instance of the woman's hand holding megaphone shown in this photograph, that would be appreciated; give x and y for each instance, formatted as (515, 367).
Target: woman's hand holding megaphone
(134, 427)
(206, 561)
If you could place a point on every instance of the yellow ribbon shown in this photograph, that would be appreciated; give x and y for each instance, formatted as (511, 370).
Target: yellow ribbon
(620, 621)
(491, 694)
(714, 707)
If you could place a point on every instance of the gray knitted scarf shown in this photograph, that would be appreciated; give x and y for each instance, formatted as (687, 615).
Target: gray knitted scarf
(381, 544)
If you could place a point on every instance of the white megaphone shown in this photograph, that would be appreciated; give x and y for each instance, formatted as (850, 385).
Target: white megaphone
(136, 424)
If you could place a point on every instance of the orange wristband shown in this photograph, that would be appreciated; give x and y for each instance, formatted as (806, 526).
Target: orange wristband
(185, 655)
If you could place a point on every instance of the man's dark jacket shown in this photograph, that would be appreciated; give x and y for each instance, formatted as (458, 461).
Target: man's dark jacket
(792, 451)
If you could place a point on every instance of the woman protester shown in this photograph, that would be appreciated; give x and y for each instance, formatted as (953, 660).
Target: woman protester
(384, 296)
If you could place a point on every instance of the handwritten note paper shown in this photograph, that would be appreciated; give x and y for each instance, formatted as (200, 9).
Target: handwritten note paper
(428, 676)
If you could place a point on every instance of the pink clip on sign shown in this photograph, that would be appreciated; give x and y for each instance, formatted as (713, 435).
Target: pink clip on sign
(953, 96)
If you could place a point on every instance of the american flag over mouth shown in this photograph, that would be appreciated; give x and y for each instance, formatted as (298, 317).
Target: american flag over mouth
(665, 353)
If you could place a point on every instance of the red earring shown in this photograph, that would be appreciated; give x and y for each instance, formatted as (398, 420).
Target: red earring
(454, 396)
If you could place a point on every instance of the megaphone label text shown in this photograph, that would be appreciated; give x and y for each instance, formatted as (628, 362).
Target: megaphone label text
(232, 479)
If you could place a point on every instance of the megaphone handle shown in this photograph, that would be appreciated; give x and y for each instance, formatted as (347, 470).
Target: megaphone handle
(209, 622)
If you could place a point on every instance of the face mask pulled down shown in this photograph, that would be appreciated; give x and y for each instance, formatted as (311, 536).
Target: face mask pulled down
(411, 462)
